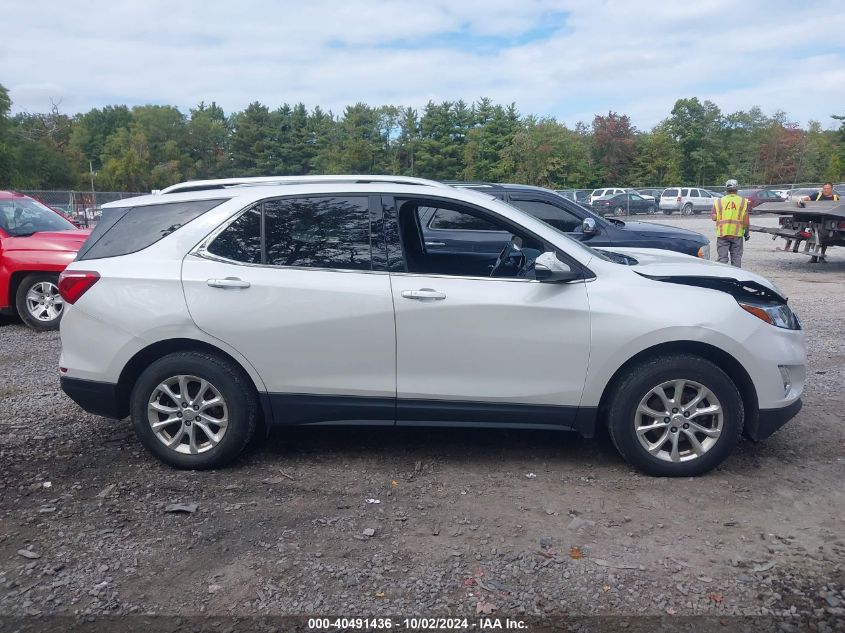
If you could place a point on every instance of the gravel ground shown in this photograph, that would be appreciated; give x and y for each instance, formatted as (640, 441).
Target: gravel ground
(527, 524)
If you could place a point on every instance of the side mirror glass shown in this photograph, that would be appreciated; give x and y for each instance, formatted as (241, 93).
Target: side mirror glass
(589, 226)
(548, 268)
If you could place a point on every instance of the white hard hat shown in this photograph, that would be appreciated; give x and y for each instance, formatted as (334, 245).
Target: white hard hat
(732, 184)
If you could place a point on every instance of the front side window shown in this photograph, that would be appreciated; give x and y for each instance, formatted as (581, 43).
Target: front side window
(20, 217)
(552, 215)
(450, 219)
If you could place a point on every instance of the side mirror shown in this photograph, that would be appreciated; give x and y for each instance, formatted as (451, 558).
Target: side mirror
(548, 268)
(589, 226)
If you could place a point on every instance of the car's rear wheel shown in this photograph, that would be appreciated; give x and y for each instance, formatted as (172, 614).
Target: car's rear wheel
(194, 410)
(675, 416)
(38, 302)
(687, 209)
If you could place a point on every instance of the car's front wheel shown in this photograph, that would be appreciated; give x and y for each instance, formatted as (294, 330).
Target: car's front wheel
(652, 209)
(194, 410)
(38, 302)
(619, 211)
(675, 416)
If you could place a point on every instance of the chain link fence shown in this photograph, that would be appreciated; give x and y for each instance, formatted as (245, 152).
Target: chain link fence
(83, 207)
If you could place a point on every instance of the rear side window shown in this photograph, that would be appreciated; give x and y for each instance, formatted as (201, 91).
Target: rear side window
(132, 229)
(318, 232)
(449, 219)
(313, 232)
(684, 193)
(241, 241)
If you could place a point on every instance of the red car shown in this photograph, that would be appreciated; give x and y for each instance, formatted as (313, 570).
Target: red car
(757, 197)
(36, 243)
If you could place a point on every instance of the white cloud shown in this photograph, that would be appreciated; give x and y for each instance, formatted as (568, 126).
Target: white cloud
(633, 57)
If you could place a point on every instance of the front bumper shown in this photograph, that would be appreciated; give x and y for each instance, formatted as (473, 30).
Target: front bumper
(767, 421)
(99, 398)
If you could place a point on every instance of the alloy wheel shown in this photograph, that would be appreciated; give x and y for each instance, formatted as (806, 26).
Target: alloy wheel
(44, 302)
(679, 420)
(188, 414)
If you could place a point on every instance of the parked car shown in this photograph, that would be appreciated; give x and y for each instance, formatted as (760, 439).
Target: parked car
(652, 193)
(603, 193)
(624, 204)
(576, 195)
(319, 302)
(687, 200)
(36, 243)
(575, 220)
(757, 197)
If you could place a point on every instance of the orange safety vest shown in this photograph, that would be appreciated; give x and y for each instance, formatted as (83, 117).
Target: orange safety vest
(731, 215)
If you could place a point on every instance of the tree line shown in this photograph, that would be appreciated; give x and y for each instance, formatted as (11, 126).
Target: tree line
(151, 146)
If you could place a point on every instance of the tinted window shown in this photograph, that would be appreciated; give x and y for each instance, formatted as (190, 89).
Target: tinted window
(670, 192)
(684, 193)
(241, 240)
(318, 232)
(455, 220)
(550, 214)
(129, 230)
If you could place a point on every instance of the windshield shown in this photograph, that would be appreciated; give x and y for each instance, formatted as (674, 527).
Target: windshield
(23, 216)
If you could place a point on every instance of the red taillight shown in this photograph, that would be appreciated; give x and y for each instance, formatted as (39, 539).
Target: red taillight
(75, 283)
(678, 200)
(841, 225)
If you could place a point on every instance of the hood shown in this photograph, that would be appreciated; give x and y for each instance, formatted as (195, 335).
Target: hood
(66, 241)
(649, 229)
(664, 265)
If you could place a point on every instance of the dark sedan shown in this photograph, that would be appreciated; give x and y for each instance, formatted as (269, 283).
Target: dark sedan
(577, 221)
(624, 204)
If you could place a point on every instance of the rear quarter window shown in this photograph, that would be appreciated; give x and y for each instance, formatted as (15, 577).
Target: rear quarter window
(131, 229)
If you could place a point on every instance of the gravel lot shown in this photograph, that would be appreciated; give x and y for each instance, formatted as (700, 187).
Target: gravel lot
(528, 523)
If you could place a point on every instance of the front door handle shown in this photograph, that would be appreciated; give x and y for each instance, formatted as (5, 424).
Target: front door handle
(424, 294)
(435, 243)
(228, 282)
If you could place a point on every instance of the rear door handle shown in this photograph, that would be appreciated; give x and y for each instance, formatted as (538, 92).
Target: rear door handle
(228, 282)
(424, 294)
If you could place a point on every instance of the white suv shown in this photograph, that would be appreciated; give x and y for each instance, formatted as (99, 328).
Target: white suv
(213, 306)
(687, 200)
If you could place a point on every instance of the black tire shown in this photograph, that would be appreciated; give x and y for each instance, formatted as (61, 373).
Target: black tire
(37, 281)
(667, 211)
(619, 211)
(687, 209)
(640, 380)
(230, 381)
(652, 209)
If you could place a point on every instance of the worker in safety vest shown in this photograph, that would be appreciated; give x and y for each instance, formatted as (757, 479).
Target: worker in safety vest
(730, 213)
(826, 193)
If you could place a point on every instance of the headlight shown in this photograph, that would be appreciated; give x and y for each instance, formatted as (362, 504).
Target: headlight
(778, 315)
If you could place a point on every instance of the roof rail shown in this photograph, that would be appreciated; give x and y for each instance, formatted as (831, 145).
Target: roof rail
(225, 183)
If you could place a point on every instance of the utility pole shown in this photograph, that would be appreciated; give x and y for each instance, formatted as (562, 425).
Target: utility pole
(93, 191)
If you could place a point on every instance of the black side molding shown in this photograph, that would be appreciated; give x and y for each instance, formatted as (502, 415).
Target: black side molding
(770, 420)
(99, 398)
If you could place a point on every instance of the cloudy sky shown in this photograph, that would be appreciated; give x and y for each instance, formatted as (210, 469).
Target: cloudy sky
(563, 58)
